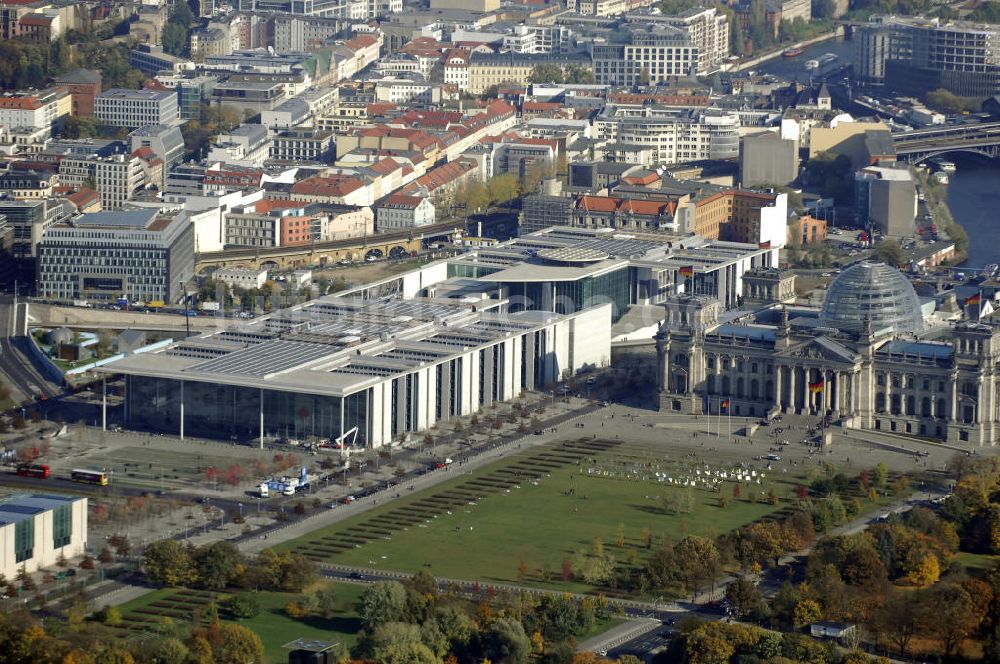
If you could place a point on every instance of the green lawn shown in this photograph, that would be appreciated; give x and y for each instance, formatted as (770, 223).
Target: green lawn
(541, 522)
(977, 563)
(274, 627)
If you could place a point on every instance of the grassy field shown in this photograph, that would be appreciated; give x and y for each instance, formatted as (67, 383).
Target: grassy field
(274, 627)
(541, 507)
(977, 563)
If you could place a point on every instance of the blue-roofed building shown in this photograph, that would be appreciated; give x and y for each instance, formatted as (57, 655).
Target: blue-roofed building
(864, 361)
(36, 528)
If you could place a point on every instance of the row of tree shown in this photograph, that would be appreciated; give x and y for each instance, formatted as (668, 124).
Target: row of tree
(220, 565)
(415, 623)
(76, 640)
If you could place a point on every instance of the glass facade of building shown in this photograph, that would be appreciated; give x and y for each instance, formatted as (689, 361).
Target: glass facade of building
(211, 409)
(62, 525)
(567, 297)
(24, 540)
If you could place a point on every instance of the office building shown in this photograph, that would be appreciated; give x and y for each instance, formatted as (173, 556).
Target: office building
(303, 145)
(886, 200)
(117, 178)
(655, 55)
(767, 158)
(165, 141)
(915, 55)
(119, 107)
(38, 530)
(139, 254)
(152, 60)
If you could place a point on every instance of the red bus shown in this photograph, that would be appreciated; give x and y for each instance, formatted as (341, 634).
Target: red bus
(33, 470)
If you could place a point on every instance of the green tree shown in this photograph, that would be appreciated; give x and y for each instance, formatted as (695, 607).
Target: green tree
(579, 74)
(383, 602)
(174, 38)
(241, 607)
(326, 602)
(218, 564)
(168, 563)
(891, 253)
(744, 596)
(502, 188)
(238, 645)
(546, 72)
(170, 651)
(505, 641)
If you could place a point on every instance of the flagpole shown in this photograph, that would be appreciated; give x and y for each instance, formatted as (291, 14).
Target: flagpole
(729, 423)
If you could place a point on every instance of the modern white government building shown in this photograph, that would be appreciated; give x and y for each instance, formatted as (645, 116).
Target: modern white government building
(397, 356)
(36, 528)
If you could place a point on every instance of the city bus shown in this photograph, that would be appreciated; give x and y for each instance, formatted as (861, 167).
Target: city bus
(33, 470)
(89, 477)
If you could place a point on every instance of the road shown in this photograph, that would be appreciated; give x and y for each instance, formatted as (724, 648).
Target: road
(17, 368)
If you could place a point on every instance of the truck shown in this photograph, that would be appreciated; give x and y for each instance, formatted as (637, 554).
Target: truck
(285, 486)
(81, 303)
(209, 306)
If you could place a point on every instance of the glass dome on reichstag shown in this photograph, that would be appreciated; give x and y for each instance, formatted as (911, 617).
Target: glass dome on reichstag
(875, 291)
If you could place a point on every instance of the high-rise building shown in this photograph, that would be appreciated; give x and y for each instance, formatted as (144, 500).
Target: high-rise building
(915, 55)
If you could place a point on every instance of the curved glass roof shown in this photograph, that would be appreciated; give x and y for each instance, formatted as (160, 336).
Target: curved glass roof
(875, 291)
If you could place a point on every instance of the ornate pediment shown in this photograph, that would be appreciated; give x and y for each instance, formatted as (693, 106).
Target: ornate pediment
(822, 349)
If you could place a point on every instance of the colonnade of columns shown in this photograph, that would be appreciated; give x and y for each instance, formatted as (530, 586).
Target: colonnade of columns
(816, 390)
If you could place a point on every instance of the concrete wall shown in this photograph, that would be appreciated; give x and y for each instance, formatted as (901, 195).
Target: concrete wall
(768, 159)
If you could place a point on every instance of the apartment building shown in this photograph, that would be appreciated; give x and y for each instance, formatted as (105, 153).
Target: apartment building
(43, 110)
(708, 30)
(495, 69)
(84, 85)
(152, 59)
(404, 211)
(138, 254)
(656, 55)
(538, 39)
(119, 107)
(673, 135)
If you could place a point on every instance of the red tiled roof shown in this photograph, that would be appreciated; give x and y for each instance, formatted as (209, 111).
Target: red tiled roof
(269, 205)
(644, 179)
(442, 175)
(359, 42)
(384, 167)
(327, 185)
(610, 204)
(541, 106)
(402, 201)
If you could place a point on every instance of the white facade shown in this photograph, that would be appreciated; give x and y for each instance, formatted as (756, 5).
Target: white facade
(37, 110)
(396, 213)
(36, 529)
(136, 108)
(674, 136)
(241, 277)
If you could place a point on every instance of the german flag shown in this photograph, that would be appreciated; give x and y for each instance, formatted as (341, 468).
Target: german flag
(687, 271)
(816, 387)
(973, 300)
(724, 404)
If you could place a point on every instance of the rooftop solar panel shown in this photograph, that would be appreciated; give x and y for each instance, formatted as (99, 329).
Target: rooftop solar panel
(265, 359)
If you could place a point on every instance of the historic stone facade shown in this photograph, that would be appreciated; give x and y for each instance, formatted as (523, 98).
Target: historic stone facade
(869, 379)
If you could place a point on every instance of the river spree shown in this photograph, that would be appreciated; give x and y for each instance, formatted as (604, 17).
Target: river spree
(974, 200)
(794, 69)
